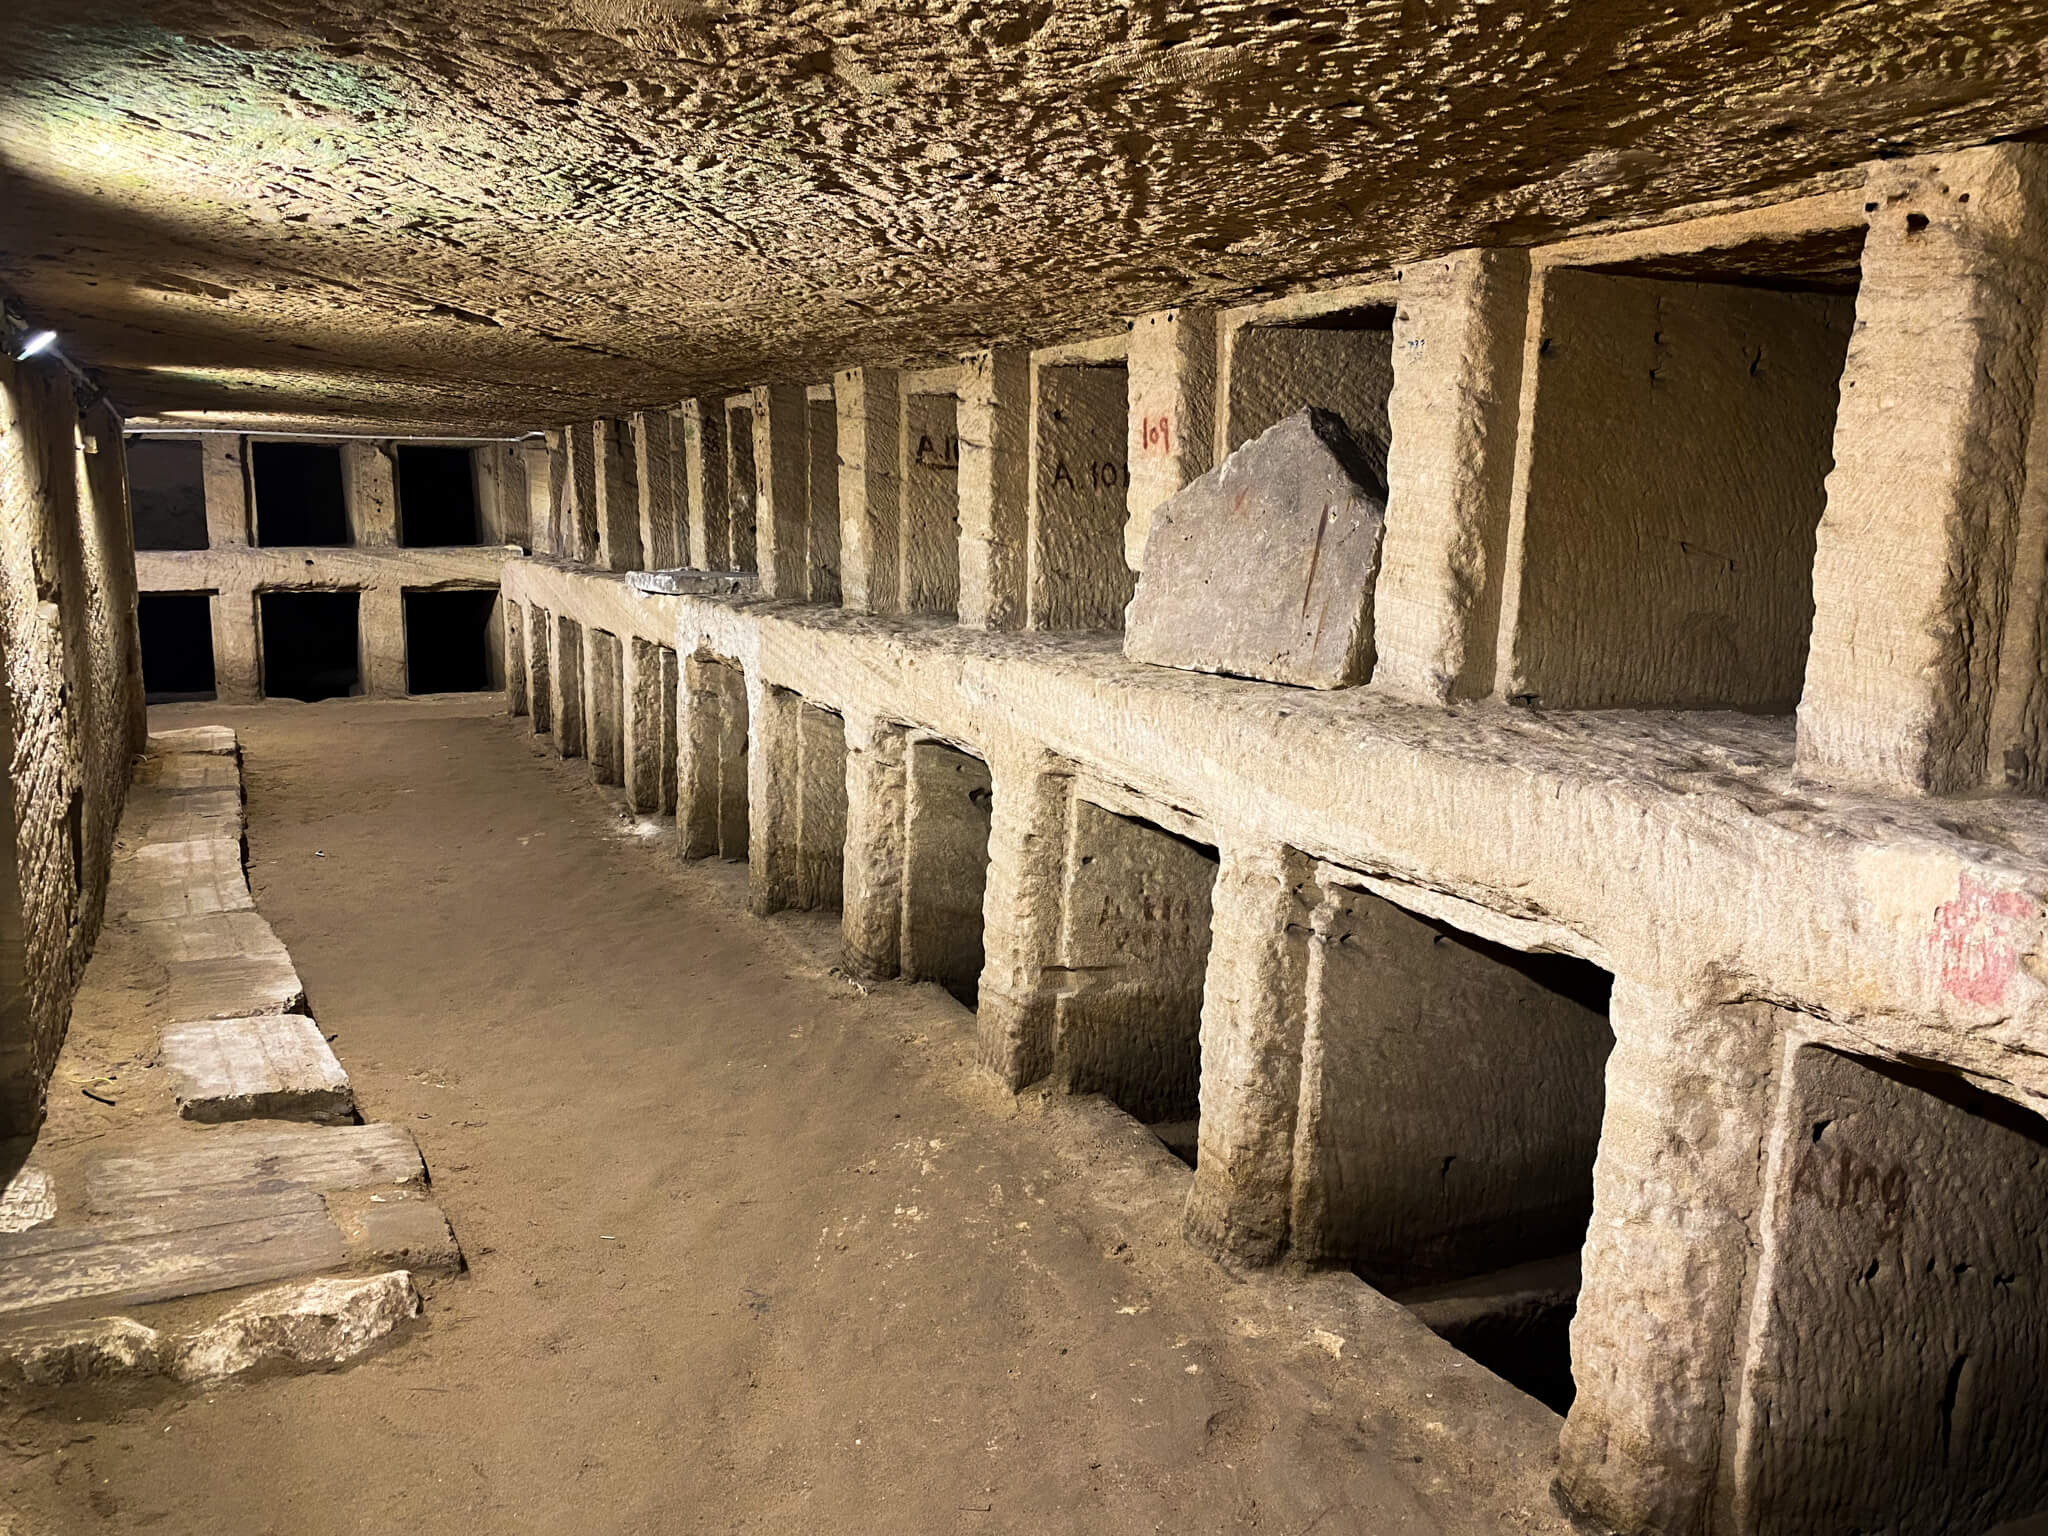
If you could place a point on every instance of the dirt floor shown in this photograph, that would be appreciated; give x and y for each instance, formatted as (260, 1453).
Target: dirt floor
(750, 1249)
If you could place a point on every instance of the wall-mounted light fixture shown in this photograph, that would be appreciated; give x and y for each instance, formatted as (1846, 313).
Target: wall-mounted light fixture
(39, 341)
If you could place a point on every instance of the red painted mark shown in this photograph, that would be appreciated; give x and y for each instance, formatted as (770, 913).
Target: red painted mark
(1155, 434)
(1975, 941)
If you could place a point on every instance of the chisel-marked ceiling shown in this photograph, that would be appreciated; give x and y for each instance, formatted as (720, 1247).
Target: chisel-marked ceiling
(482, 216)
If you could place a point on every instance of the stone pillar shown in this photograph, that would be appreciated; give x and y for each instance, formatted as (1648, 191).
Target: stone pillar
(1458, 338)
(514, 619)
(797, 789)
(1915, 556)
(1669, 1259)
(579, 540)
(654, 473)
(237, 670)
(380, 627)
(871, 923)
(540, 650)
(869, 495)
(551, 510)
(650, 727)
(605, 690)
(821, 447)
(994, 426)
(774, 799)
(369, 483)
(224, 478)
(1020, 977)
(618, 496)
(782, 474)
(1254, 1001)
(710, 537)
(742, 483)
(567, 673)
(1172, 428)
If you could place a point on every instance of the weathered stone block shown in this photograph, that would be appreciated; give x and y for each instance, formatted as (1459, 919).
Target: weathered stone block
(1300, 509)
(276, 1066)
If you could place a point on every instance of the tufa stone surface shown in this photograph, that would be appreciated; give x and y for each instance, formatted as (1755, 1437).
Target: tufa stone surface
(1265, 566)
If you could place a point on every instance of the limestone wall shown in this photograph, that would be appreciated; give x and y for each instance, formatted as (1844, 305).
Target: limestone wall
(74, 717)
(1563, 931)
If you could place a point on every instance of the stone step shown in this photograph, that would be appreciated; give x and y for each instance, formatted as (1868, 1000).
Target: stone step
(272, 1066)
(253, 1159)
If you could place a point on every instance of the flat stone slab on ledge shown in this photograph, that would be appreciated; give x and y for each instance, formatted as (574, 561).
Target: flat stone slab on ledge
(1265, 566)
(675, 583)
(272, 1066)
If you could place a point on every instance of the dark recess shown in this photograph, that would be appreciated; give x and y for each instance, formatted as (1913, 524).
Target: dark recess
(166, 493)
(1528, 1344)
(177, 645)
(436, 496)
(447, 641)
(310, 648)
(299, 498)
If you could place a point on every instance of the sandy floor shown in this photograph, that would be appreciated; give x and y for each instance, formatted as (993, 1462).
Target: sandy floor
(749, 1250)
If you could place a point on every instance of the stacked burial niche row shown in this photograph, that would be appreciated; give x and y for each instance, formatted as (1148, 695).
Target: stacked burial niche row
(380, 535)
(1773, 1277)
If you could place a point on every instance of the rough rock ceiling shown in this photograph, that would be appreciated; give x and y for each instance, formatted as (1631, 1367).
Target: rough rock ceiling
(481, 215)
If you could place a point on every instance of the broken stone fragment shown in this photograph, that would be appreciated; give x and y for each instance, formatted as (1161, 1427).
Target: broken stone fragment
(1265, 566)
(322, 1322)
(310, 1323)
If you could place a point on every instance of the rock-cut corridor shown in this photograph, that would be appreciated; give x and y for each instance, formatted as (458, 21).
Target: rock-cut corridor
(750, 1248)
